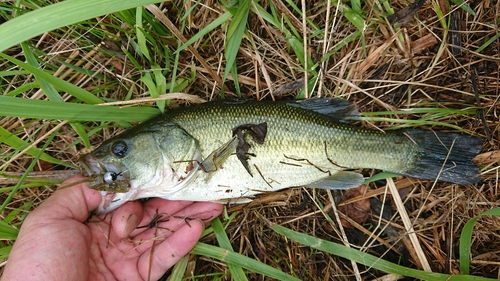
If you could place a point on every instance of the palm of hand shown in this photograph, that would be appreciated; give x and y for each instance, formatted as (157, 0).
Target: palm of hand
(57, 245)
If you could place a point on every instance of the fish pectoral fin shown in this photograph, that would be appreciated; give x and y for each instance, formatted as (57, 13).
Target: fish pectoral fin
(339, 180)
(213, 162)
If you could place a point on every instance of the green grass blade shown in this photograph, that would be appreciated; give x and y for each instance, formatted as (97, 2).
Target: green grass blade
(48, 89)
(26, 173)
(28, 108)
(234, 35)
(464, 6)
(241, 260)
(179, 269)
(369, 260)
(71, 89)
(7, 231)
(214, 24)
(5, 251)
(236, 271)
(141, 39)
(466, 239)
(380, 176)
(13, 141)
(58, 15)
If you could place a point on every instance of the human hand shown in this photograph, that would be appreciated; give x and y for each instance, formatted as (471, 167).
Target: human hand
(56, 243)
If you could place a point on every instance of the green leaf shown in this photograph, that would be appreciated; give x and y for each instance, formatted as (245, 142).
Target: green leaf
(355, 18)
(231, 257)
(40, 109)
(5, 251)
(234, 35)
(466, 239)
(71, 89)
(141, 39)
(58, 15)
(7, 231)
(214, 24)
(236, 271)
(369, 260)
(380, 176)
(13, 141)
(464, 6)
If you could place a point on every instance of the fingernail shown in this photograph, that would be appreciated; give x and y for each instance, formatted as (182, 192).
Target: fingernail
(130, 225)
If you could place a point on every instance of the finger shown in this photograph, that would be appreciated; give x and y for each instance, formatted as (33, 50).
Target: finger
(126, 218)
(166, 253)
(75, 202)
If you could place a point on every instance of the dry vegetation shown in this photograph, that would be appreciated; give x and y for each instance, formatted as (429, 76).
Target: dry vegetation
(410, 63)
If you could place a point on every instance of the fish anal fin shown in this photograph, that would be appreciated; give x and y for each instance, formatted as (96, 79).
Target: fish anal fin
(339, 180)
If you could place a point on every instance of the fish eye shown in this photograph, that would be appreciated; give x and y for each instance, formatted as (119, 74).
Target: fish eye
(119, 149)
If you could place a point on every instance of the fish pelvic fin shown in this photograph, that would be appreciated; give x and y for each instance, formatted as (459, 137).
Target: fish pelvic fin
(444, 156)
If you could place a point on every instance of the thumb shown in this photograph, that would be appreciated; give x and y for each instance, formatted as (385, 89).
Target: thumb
(74, 202)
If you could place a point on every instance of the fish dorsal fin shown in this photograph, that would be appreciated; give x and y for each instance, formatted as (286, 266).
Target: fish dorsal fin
(336, 108)
(339, 180)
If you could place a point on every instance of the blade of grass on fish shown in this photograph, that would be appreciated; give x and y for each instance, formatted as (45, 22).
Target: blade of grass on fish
(236, 271)
(366, 259)
(68, 12)
(466, 239)
(41, 109)
(13, 141)
(227, 256)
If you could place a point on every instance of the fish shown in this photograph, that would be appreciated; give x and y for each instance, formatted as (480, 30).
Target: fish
(231, 150)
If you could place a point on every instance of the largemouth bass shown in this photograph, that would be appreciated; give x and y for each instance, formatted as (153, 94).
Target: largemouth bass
(229, 151)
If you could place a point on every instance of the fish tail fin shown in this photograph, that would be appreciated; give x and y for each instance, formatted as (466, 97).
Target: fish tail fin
(445, 156)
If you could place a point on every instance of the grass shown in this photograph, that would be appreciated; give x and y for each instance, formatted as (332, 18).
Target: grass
(72, 81)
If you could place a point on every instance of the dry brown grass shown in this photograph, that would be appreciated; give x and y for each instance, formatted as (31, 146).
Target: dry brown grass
(395, 69)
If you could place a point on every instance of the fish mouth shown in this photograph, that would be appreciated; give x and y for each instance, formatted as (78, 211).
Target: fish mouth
(90, 165)
(110, 200)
